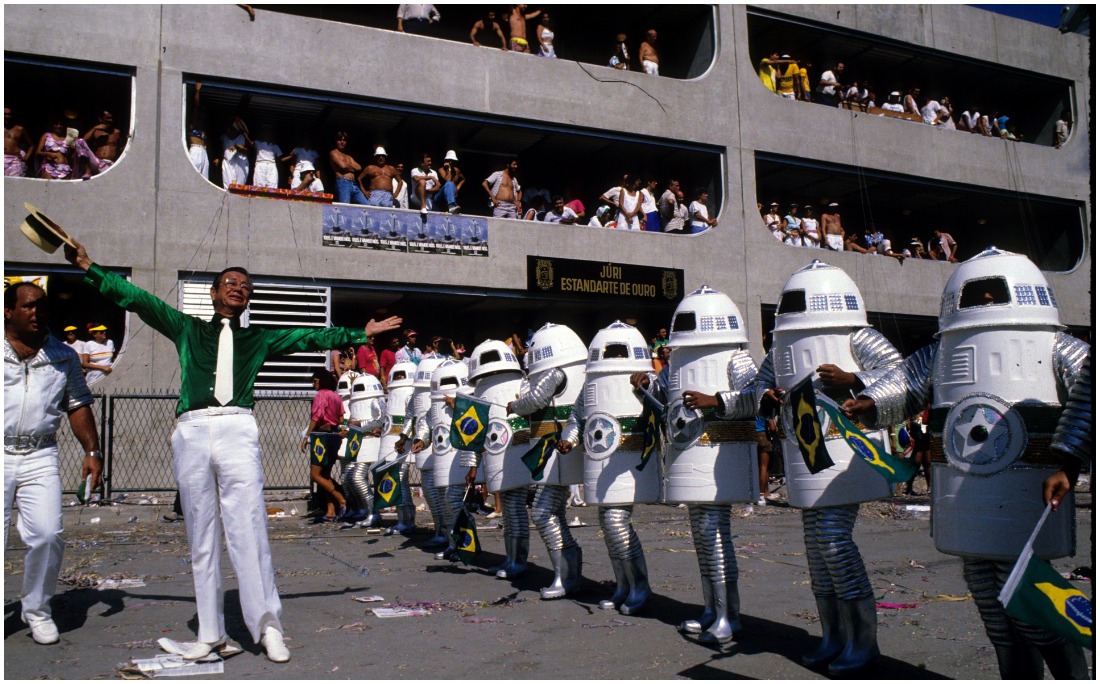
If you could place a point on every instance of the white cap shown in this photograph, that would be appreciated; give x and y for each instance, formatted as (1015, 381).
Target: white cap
(895, 94)
(450, 156)
(380, 151)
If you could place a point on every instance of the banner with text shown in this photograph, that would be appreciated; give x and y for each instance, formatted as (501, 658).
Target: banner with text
(603, 279)
(401, 230)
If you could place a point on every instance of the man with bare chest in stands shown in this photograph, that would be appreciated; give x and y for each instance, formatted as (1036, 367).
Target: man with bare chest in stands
(346, 170)
(104, 139)
(17, 146)
(834, 231)
(517, 26)
(381, 178)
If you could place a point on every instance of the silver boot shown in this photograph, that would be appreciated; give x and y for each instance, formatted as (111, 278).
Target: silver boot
(707, 618)
(860, 624)
(522, 546)
(557, 587)
(509, 555)
(832, 635)
(638, 575)
(727, 607)
(622, 587)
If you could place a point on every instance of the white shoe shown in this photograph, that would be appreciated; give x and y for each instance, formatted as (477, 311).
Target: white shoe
(43, 630)
(277, 652)
(201, 649)
(762, 501)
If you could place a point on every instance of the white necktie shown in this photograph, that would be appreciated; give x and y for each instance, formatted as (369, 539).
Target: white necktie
(223, 373)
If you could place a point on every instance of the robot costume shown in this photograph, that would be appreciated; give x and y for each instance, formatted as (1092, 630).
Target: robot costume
(417, 427)
(607, 418)
(398, 401)
(821, 319)
(997, 380)
(367, 407)
(710, 462)
(497, 377)
(555, 368)
(449, 465)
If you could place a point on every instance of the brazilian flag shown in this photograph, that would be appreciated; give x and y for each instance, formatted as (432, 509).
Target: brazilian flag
(356, 437)
(807, 426)
(652, 433)
(387, 486)
(891, 467)
(323, 448)
(470, 417)
(464, 537)
(1036, 594)
(537, 456)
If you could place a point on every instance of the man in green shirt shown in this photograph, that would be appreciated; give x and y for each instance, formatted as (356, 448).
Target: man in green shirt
(216, 450)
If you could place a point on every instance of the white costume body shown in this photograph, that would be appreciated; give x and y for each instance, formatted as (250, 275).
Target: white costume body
(418, 427)
(997, 380)
(38, 393)
(367, 407)
(398, 402)
(607, 422)
(555, 366)
(498, 378)
(449, 472)
(709, 461)
(821, 319)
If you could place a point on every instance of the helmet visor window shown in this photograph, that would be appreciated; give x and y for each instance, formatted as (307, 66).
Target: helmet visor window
(792, 302)
(684, 322)
(984, 292)
(616, 351)
(491, 356)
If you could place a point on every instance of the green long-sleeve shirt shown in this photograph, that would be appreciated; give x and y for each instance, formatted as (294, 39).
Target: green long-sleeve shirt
(196, 341)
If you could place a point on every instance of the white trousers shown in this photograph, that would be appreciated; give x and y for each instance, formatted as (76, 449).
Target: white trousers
(235, 170)
(217, 464)
(199, 160)
(266, 175)
(33, 481)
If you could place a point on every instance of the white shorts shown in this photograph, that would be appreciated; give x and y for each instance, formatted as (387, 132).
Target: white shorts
(650, 67)
(835, 242)
(266, 175)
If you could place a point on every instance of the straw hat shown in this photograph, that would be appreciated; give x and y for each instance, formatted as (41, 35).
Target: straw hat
(43, 232)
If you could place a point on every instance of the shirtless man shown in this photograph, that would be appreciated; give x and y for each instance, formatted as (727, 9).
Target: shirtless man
(488, 24)
(504, 191)
(647, 53)
(104, 139)
(381, 177)
(346, 170)
(517, 26)
(17, 146)
(834, 231)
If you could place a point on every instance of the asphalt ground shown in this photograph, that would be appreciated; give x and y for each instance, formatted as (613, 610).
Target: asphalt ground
(480, 627)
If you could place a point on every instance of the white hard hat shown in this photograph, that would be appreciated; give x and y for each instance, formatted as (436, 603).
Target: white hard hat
(998, 289)
(425, 368)
(820, 296)
(554, 346)
(380, 151)
(706, 317)
(408, 368)
(619, 348)
(450, 156)
(492, 356)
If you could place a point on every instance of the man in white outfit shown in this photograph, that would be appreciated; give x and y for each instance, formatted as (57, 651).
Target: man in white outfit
(42, 382)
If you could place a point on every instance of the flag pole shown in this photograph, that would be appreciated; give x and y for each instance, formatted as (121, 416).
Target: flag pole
(1025, 558)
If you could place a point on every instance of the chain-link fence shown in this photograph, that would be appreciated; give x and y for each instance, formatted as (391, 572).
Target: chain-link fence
(136, 436)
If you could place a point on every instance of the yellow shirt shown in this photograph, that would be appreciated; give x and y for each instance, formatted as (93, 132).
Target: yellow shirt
(766, 74)
(784, 81)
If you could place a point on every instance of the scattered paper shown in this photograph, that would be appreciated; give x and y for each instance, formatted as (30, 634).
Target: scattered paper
(896, 606)
(172, 665)
(93, 521)
(400, 612)
(368, 599)
(178, 648)
(120, 584)
(916, 508)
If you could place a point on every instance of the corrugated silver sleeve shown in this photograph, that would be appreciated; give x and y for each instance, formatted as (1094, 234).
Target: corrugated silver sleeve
(514, 505)
(836, 567)
(548, 514)
(874, 353)
(571, 432)
(540, 394)
(739, 402)
(985, 579)
(453, 495)
(618, 532)
(710, 532)
(1069, 356)
(903, 391)
(765, 379)
(355, 481)
(469, 459)
(432, 495)
(1076, 433)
